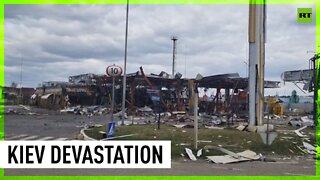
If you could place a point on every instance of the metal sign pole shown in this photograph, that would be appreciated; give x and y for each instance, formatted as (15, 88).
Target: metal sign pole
(112, 71)
(112, 102)
(124, 87)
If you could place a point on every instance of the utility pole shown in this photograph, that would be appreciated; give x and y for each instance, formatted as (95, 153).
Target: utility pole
(195, 84)
(124, 86)
(20, 94)
(174, 39)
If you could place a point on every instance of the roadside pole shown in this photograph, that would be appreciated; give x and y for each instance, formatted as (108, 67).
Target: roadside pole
(112, 102)
(125, 68)
(112, 71)
(195, 106)
(195, 114)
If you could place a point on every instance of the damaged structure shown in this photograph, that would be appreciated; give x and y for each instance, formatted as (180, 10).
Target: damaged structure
(85, 89)
(14, 95)
(308, 78)
(160, 92)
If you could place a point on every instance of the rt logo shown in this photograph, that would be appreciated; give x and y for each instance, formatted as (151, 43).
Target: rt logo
(304, 15)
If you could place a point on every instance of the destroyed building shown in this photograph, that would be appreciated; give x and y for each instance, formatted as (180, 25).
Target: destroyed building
(14, 95)
(85, 89)
(148, 90)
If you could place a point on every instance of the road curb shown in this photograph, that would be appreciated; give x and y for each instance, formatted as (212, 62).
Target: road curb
(86, 137)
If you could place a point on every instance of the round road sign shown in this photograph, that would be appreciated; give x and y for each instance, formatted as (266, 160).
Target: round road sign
(114, 70)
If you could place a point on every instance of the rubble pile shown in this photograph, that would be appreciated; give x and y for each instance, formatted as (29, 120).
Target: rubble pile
(230, 156)
(301, 121)
(305, 146)
(145, 111)
(86, 110)
(19, 110)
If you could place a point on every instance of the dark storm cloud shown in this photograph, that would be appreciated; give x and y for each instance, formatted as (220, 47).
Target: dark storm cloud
(55, 41)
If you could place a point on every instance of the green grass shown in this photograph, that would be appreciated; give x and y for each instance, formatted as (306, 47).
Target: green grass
(229, 138)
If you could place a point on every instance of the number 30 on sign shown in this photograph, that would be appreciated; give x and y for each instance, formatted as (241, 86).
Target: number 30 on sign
(114, 70)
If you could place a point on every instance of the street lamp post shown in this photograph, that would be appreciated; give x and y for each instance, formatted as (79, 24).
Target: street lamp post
(20, 94)
(125, 68)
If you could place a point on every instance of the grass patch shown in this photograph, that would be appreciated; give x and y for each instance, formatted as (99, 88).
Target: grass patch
(229, 138)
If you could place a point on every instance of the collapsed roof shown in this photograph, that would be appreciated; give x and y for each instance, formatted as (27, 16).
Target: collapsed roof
(222, 81)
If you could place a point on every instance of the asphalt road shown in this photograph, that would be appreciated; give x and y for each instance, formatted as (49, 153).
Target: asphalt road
(48, 123)
(293, 167)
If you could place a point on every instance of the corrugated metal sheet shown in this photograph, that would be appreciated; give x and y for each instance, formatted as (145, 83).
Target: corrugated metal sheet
(46, 96)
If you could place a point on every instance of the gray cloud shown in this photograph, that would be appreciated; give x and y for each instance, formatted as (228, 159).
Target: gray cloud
(55, 41)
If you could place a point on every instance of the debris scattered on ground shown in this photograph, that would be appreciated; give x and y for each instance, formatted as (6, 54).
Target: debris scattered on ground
(299, 133)
(190, 154)
(309, 148)
(199, 152)
(204, 141)
(86, 110)
(249, 155)
(246, 155)
(223, 150)
(214, 127)
(180, 125)
(25, 107)
(98, 125)
(119, 114)
(258, 129)
(302, 121)
(184, 144)
(145, 111)
(241, 127)
(304, 151)
(126, 123)
(20, 110)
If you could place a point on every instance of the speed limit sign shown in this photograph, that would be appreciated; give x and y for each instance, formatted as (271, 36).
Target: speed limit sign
(114, 70)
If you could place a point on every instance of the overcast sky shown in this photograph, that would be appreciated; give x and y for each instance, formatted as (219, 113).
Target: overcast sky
(56, 41)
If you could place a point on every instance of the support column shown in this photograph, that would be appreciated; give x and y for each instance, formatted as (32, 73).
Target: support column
(256, 62)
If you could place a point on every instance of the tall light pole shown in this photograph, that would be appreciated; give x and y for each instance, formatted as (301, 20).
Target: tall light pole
(125, 67)
(20, 94)
(174, 39)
